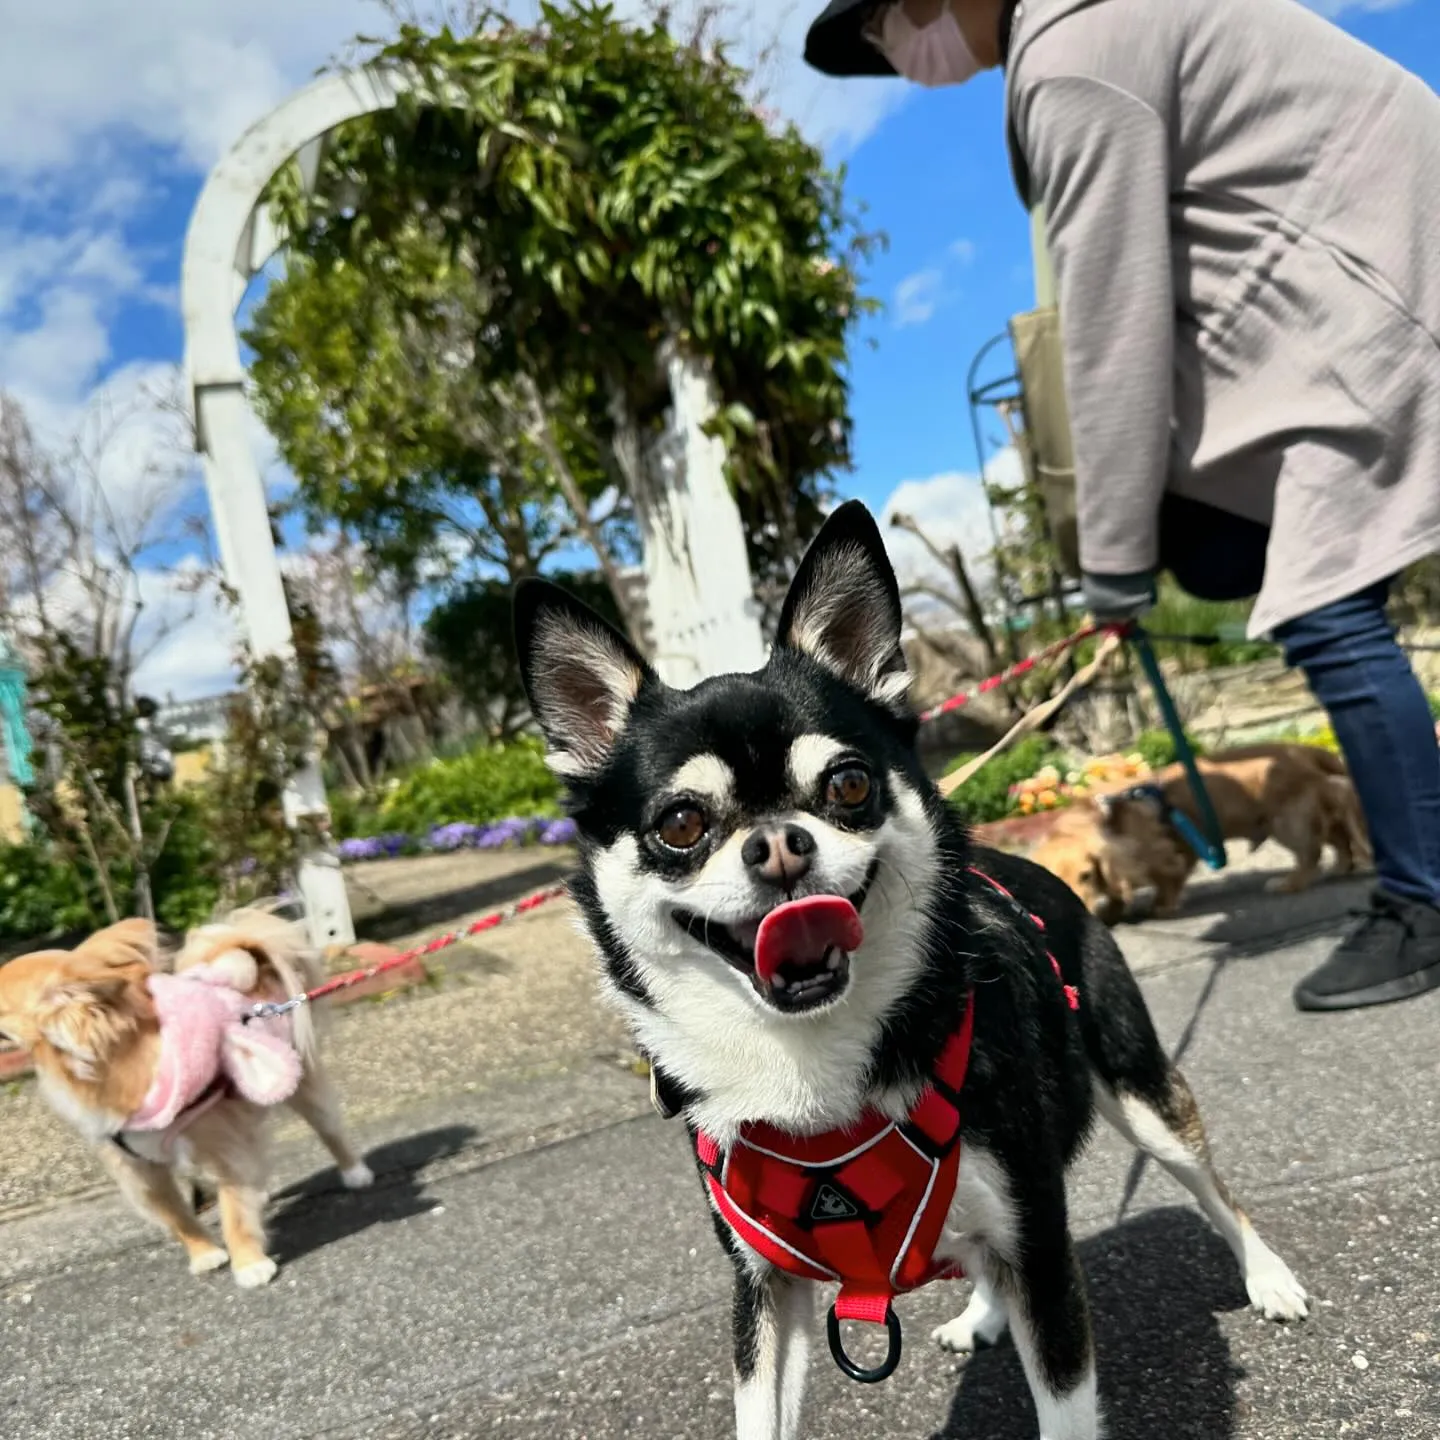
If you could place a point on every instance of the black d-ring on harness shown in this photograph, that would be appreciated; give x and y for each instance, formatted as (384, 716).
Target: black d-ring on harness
(882, 1371)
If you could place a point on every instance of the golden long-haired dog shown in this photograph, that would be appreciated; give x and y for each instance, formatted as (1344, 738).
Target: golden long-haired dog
(1111, 847)
(165, 1074)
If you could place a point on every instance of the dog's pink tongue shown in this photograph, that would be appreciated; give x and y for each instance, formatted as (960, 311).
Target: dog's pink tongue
(801, 931)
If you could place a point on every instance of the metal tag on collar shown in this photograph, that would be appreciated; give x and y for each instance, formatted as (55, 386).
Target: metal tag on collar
(1147, 791)
(271, 1009)
(663, 1108)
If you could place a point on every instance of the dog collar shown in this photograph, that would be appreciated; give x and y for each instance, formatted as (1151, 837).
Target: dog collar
(1177, 820)
(219, 1089)
(1072, 995)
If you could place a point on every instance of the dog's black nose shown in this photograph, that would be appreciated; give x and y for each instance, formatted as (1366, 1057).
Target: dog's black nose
(780, 855)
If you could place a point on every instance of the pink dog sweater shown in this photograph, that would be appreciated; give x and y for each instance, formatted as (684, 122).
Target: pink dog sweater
(207, 1050)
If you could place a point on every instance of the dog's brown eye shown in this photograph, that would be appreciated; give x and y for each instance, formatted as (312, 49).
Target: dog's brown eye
(682, 828)
(850, 787)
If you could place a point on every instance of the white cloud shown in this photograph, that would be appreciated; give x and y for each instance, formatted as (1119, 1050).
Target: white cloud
(25, 260)
(139, 443)
(116, 197)
(52, 360)
(951, 510)
(190, 75)
(58, 296)
(917, 297)
(188, 638)
(1334, 9)
(187, 75)
(921, 293)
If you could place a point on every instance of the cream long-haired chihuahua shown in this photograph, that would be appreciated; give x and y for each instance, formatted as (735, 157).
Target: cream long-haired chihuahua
(165, 1075)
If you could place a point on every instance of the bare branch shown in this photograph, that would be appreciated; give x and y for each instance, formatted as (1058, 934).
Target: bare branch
(933, 592)
(544, 435)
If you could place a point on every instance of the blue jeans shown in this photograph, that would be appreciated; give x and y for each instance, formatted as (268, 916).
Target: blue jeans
(1356, 670)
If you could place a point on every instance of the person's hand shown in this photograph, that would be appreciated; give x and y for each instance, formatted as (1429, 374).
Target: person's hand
(1112, 599)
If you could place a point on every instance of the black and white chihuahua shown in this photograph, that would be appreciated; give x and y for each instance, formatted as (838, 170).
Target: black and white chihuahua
(700, 812)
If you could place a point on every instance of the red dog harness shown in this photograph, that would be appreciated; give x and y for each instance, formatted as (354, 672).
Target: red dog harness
(864, 1206)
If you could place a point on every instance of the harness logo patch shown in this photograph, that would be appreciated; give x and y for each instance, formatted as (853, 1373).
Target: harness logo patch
(830, 1204)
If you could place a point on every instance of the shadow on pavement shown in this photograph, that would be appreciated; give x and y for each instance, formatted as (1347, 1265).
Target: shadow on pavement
(319, 1211)
(1165, 1368)
(1236, 915)
(463, 901)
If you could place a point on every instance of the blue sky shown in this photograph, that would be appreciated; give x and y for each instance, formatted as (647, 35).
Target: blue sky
(110, 117)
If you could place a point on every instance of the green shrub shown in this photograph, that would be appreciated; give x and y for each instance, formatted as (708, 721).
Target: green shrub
(43, 894)
(185, 879)
(351, 813)
(986, 796)
(491, 782)
(1158, 747)
(469, 635)
(40, 893)
(1177, 613)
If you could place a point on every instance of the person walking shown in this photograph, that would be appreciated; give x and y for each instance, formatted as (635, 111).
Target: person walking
(1242, 204)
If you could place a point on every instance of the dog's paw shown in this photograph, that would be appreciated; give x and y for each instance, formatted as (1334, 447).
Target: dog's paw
(1287, 885)
(204, 1261)
(256, 1274)
(980, 1323)
(1274, 1291)
(358, 1176)
(956, 1337)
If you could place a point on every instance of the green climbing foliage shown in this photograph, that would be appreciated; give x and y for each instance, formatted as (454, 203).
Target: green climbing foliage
(506, 252)
(468, 636)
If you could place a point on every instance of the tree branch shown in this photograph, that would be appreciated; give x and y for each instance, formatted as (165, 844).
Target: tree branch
(544, 437)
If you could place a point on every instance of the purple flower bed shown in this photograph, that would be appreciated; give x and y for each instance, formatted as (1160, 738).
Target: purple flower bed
(442, 839)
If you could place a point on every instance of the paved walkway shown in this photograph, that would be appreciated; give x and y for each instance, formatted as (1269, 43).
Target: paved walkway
(536, 1260)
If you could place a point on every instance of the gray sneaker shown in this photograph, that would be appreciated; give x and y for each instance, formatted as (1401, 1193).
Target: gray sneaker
(1393, 953)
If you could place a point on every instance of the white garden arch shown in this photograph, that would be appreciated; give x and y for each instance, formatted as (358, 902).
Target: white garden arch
(703, 618)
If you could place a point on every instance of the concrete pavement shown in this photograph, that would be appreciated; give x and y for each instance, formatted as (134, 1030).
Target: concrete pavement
(536, 1260)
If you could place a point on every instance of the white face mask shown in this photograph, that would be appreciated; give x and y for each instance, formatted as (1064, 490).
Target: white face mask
(933, 54)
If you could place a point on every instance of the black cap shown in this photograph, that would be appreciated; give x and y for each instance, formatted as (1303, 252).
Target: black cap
(836, 44)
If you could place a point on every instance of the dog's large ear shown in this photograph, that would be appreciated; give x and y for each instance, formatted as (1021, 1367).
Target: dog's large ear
(843, 609)
(130, 942)
(579, 673)
(85, 1018)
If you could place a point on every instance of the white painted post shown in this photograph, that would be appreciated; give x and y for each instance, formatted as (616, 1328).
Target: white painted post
(703, 613)
(229, 241)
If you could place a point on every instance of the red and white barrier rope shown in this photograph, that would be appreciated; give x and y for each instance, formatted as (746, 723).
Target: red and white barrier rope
(1022, 667)
(394, 962)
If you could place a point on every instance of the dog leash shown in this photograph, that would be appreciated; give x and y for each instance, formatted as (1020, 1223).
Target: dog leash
(1182, 823)
(1034, 719)
(1207, 840)
(1209, 846)
(268, 1009)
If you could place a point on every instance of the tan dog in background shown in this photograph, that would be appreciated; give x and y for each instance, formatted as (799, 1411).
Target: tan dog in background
(1111, 847)
(90, 1022)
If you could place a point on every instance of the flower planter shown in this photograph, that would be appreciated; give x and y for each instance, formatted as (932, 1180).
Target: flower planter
(1017, 831)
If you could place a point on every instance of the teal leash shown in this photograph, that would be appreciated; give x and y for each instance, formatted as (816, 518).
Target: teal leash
(1210, 845)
